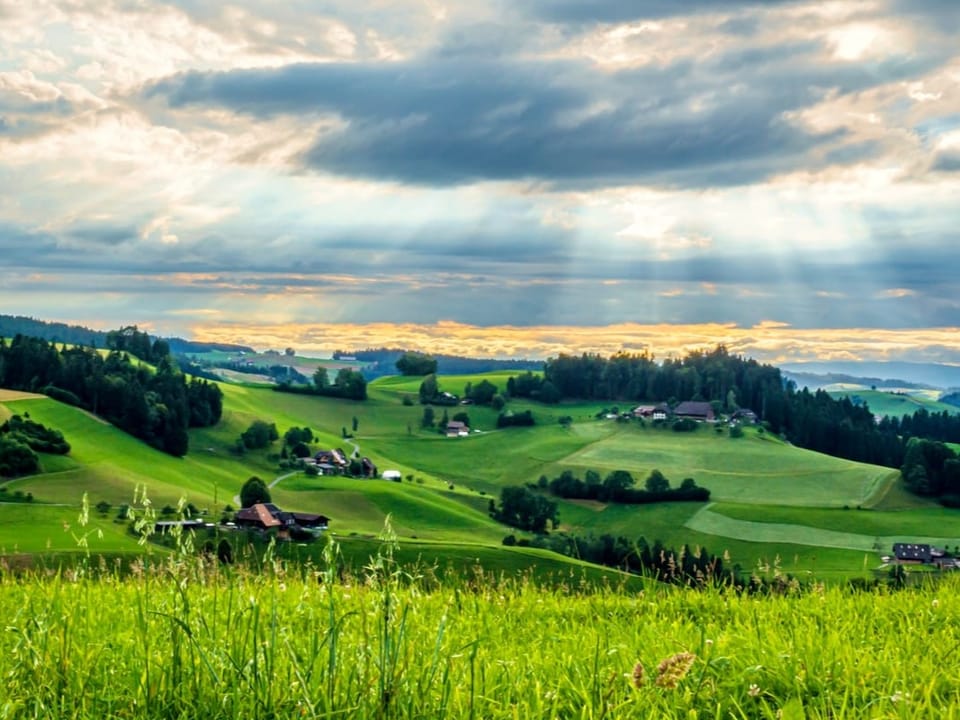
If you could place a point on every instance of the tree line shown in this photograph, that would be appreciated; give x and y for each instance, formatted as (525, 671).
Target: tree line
(156, 405)
(618, 487)
(693, 567)
(348, 384)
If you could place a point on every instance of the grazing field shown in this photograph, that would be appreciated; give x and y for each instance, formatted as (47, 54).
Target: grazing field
(182, 640)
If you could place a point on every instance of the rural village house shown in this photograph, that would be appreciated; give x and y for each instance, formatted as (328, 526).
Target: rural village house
(456, 428)
(267, 516)
(693, 410)
(923, 554)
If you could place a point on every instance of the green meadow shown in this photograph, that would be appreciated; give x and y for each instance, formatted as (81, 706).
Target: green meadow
(769, 500)
(177, 638)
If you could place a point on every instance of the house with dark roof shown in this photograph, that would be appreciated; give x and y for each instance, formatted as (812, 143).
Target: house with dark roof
(694, 410)
(913, 553)
(331, 462)
(369, 469)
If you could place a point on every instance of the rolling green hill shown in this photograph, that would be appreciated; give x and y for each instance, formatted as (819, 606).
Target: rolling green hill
(893, 403)
(769, 499)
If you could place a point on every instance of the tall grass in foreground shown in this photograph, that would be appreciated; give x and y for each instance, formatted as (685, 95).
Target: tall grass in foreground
(187, 638)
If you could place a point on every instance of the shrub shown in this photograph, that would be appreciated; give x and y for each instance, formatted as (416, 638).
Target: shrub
(254, 491)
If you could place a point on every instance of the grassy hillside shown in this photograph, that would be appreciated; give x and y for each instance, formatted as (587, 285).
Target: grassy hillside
(448, 483)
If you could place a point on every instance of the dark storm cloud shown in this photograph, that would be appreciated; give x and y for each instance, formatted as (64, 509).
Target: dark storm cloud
(460, 121)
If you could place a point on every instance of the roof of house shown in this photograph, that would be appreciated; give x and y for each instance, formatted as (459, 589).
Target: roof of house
(260, 513)
(456, 425)
(913, 551)
(692, 408)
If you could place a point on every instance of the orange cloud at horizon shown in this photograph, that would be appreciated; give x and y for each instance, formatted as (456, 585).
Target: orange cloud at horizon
(770, 341)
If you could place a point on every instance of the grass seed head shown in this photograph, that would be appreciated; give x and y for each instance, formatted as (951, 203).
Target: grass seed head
(638, 675)
(673, 669)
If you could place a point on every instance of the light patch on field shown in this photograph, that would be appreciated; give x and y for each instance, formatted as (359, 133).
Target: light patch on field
(12, 395)
(711, 523)
(594, 505)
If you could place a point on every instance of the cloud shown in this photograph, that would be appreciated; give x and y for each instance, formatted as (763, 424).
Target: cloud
(463, 121)
(617, 11)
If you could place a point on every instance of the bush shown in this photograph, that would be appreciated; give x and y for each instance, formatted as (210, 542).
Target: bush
(736, 431)
(17, 459)
(685, 425)
(61, 395)
(510, 540)
(259, 435)
(254, 491)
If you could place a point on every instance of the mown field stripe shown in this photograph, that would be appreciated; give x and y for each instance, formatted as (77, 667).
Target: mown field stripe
(712, 523)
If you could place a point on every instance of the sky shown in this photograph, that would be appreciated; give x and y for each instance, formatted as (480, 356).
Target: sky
(493, 177)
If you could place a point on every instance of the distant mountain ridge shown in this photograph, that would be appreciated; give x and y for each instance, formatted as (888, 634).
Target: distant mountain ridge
(384, 362)
(13, 325)
(910, 374)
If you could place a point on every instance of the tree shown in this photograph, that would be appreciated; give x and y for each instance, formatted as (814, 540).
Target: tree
(289, 352)
(656, 482)
(482, 393)
(254, 491)
(427, 420)
(414, 363)
(17, 459)
(350, 384)
(320, 379)
(259, 435)
(429, 389)
(356, 423)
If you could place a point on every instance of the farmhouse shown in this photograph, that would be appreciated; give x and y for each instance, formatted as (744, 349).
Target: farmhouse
(266, 516)
(257, 516)
(369, 469)
(744, 415)
(700, 411)
(330, 462)
(456, 428)
(652, 412)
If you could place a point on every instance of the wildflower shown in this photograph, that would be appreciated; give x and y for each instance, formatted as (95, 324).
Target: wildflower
(896, 697)
(754, 690)
(935, 602)
(674, 668)
(638, 675)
